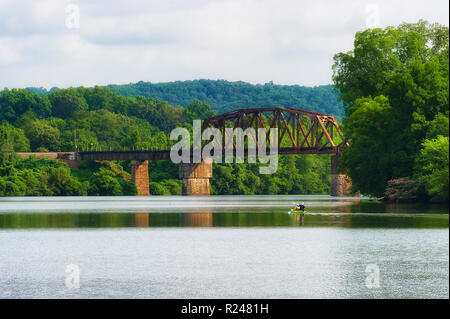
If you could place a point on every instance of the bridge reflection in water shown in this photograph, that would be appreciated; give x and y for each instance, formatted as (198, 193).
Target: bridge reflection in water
(205, 219)
(212, 212)
(187, 220)
(142, 220)
(197, 220)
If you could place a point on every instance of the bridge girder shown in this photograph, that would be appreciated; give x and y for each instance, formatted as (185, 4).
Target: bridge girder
(300, 132)
(307, 132)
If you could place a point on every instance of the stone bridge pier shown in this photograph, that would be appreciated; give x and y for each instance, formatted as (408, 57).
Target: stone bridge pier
(195, 177)
(139, 176)
(341, 184)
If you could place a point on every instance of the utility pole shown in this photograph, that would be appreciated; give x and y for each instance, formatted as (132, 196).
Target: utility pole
(75, 139)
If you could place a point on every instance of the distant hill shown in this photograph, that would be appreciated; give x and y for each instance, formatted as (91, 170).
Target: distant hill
(225, 96)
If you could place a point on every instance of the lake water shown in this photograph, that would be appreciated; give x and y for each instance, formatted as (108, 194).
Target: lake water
(221, 247)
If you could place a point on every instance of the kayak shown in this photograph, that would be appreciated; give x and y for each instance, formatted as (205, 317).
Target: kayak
(292, 211)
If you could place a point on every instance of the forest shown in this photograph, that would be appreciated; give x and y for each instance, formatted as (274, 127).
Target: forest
(224, 96)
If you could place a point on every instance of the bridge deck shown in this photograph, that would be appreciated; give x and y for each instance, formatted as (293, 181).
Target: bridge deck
(165, 154)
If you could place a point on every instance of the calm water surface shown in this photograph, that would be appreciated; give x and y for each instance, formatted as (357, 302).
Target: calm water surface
(221, 247)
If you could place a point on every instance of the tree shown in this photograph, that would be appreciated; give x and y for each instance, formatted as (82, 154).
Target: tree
(158, 189)
(197, 111)
(10, 187)
(394, 85)
(15, 102)
(381, 54)
(104, 183)
(432, 167)
(372, 156)
(106, 179)
(41, 134)
(12, 139)
(67, 101)
(61, 183)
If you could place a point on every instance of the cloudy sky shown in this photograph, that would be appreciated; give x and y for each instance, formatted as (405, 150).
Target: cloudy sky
(87, 42)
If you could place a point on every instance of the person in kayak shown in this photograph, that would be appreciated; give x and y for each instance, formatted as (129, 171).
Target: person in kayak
(300, 206)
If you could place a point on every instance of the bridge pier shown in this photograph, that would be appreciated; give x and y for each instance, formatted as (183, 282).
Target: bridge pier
(139, 176)
(197, 219)
(195, 177)
(341, 184)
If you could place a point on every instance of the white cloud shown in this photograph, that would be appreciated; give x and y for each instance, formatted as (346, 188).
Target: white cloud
(8, 54)
(128, 41)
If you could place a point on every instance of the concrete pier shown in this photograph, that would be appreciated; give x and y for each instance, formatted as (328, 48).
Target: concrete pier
(195, 178)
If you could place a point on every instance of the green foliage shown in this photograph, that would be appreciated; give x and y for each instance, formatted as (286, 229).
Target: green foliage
(158, 114)
(42, 134)
(67, 101)
(395, 87)
(12, 139)
(104, 130)
(11, 187)
(164, 178)
(305, 174)
(104, 183)
(371, 156)
(37, 164)
(47, 177)
(224, 96)
(31, 177)
(128, 187)
(162, 170)
(197, 110)
(105, 178)
(158, 189)
(15, 102)
(437, 126)
(384, 59)
(173, 186)
(432, 168)
(61, 183)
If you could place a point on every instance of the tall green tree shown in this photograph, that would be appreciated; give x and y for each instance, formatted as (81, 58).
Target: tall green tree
(395, 86)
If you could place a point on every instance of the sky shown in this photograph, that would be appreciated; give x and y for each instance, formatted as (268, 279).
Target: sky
(47, 43)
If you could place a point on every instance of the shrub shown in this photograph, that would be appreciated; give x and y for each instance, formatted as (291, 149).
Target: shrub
(403, 190)
(158, 189)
